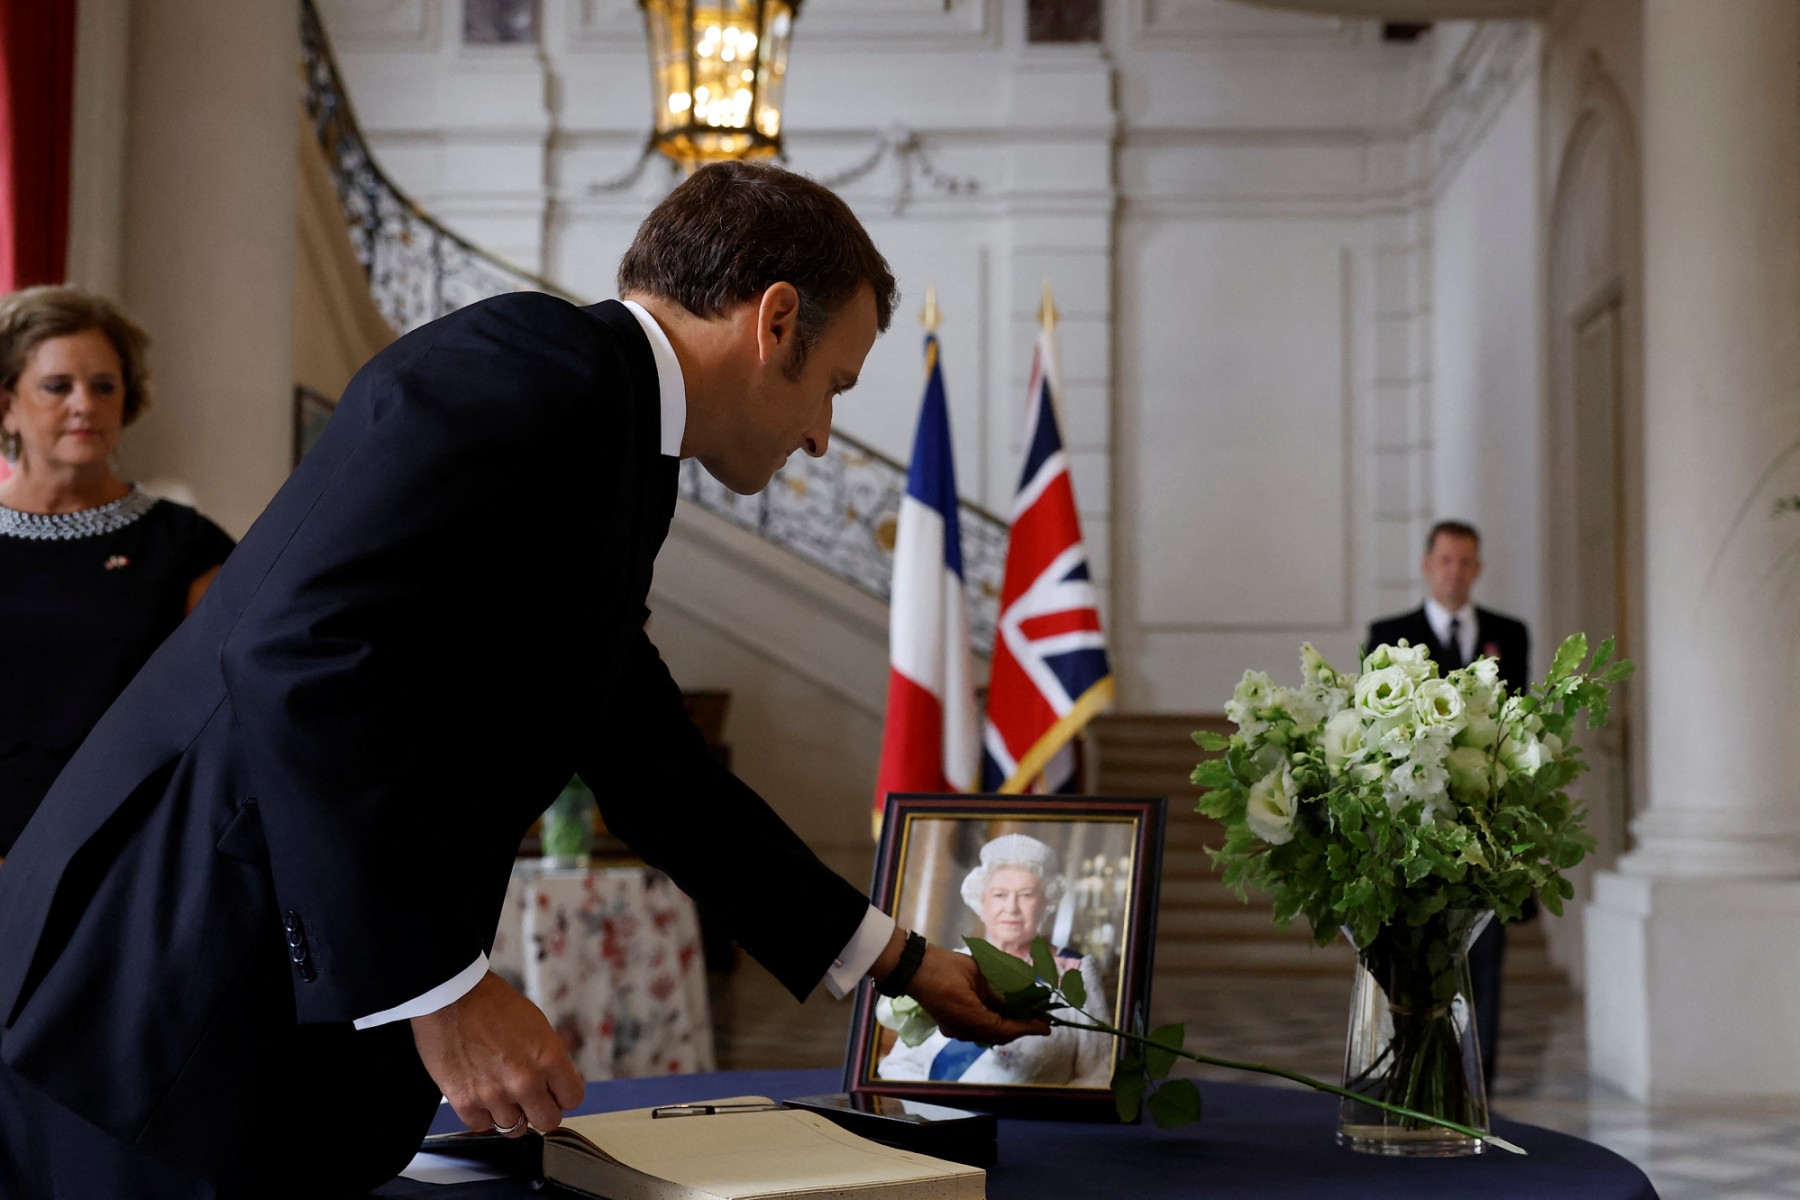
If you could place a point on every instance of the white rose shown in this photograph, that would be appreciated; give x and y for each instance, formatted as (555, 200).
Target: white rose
(1270, 809)
(1342, 739)
(1469, 777)
(1437, 702)
(1384, 693)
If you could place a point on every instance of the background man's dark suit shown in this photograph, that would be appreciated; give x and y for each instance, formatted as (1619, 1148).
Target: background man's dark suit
(1506, 640)
(1499, 637)
(304, 810)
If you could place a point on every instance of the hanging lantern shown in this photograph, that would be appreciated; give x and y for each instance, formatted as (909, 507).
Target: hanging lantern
(720, 70)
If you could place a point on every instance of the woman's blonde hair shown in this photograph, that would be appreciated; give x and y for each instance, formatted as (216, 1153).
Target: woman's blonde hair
(34, 315)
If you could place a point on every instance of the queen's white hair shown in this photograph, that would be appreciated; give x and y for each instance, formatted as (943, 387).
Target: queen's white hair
(1016, 850)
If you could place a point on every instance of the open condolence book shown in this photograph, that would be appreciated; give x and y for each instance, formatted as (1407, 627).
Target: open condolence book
(759, 1155)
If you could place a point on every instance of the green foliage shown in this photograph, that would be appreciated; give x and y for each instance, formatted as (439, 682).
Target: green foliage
(1174, 1103)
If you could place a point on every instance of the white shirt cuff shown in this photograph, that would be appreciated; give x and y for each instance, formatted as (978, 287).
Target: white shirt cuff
(865, 946)
(441, 996)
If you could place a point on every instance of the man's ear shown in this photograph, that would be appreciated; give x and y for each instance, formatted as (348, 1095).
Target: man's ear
(777, 317)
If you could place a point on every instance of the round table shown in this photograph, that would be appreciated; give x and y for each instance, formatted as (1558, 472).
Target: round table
(1270, 1143)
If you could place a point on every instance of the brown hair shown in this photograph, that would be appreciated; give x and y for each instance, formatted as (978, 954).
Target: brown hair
(34, 315)
(732, 229)
(1460, 529)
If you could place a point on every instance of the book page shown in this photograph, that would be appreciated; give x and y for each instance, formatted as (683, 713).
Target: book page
(786, 1152)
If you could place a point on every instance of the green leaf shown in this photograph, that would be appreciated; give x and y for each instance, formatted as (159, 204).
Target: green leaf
(1003, 972)
(1206, 739)
(1569, 656)
(1128, 1090)
(1619, 671)
(1175, 1103)
(1160, 1058)
(1074, 989)
(1042, 959)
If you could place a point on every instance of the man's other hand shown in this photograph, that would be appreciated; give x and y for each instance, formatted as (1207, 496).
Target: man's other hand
(951, 988)
(498, 1062)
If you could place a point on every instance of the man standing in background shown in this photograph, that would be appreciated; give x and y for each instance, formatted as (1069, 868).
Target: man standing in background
(1457, 633)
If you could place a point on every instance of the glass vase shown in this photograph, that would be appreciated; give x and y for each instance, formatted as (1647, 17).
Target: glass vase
(1412, 1040)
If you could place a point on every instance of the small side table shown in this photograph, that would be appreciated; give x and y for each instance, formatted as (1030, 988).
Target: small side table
(612, 955)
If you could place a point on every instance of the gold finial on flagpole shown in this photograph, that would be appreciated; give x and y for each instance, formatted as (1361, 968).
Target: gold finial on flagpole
(930, 317)
(1047, 310)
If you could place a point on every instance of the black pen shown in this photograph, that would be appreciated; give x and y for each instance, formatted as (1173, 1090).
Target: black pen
(707, 1110)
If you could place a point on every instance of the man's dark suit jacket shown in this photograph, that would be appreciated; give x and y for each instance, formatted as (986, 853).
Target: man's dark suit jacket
(1497, 636)
(304, 810)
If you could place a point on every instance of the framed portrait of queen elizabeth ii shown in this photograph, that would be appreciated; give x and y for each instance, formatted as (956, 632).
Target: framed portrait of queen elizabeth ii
(1080, 872)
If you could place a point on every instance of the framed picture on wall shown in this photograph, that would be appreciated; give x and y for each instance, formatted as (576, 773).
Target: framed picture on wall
(1079, 871)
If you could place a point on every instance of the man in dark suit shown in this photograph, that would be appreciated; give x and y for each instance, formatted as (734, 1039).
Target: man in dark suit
(1457, 632)
(243, 946)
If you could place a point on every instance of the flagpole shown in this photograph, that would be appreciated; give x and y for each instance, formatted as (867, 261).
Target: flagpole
(1048, 319)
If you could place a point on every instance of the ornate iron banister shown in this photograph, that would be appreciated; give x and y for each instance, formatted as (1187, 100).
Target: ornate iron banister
(837, 512)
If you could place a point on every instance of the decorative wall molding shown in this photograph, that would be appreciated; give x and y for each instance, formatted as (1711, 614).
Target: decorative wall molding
(872, 26)
(386, 25)
(1487, 70)
(1189, 25)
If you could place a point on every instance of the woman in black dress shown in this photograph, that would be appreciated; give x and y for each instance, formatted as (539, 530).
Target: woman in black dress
(94, 571)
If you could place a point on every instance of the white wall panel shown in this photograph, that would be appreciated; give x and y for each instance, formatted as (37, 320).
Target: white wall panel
(1234, 370)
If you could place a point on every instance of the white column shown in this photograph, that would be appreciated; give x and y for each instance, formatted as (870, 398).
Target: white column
(1689, 985)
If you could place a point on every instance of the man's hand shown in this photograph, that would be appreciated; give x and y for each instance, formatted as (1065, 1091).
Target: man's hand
(951, 988)
(498, 1062)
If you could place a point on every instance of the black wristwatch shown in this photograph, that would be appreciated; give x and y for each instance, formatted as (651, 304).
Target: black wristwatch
(901, 977)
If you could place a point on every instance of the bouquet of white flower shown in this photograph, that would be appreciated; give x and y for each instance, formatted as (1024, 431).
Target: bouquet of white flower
(1362, 801)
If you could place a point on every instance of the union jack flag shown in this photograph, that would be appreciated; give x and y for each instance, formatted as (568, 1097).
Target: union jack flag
(1050, 669)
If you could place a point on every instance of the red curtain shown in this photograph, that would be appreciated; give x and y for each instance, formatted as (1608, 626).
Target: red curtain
(37, 102)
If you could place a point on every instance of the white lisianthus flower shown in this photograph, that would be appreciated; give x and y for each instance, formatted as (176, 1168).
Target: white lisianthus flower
(1384, 693)
(1414, 660)
(1269, 811)
(1437, 702)
(1342, 740)
(1553, 746)
(1469, 775)
(1300, 704)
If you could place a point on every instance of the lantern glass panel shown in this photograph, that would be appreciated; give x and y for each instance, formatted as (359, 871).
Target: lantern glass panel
(719, 68)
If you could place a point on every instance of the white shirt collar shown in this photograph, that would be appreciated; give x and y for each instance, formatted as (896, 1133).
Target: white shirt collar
(1439, 617)
(668, 380)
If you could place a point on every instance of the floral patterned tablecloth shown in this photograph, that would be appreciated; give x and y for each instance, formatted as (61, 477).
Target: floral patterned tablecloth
(612, 956)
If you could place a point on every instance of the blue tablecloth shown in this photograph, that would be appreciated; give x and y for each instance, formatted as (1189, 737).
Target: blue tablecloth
(1253, 1142)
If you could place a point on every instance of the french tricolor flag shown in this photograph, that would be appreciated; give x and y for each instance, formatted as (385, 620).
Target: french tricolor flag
(929, 742)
